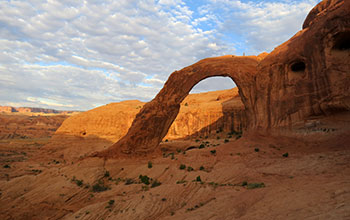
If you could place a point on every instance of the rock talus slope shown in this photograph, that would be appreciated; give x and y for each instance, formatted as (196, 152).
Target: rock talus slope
(305, 77)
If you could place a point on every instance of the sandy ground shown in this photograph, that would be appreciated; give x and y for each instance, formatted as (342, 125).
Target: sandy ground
(247, 178)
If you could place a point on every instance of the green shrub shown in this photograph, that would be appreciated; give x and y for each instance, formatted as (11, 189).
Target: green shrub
(201, 168)
(189, 169)
(106, 174)
(255, 185)
(213, 151)
(226, 140)
(244, 183)
(198, 179)
(182, 167)
(99, 187)
(149, 165)
(144, 179)
(201, 146)
(111, 202)
(285, 155)
(79, 182)
(256, 150)
(155, 183)
(7, 166)
(129, 181)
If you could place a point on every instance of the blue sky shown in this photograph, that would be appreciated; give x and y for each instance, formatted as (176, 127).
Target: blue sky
(83, 54)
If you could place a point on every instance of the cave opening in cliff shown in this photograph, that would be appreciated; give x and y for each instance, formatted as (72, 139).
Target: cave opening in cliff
(342, 41)
(213, 109)
(298, 66)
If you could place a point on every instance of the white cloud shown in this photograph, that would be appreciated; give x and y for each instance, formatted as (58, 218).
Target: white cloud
(262, 24)
(79, 54)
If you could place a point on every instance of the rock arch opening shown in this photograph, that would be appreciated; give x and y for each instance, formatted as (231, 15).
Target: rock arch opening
(152, 123)
(212, 109)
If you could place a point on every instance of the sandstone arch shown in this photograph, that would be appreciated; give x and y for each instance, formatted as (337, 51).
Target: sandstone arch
(153, 121)
(305, 77)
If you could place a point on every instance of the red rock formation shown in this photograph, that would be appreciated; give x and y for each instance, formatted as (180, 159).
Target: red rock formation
(9, 109)
(200, 114)
(306, 76)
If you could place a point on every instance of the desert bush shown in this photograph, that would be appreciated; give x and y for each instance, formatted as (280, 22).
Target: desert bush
(201, 146)
(189, 169)
(99, 187)
(106, 174)
(182, 167)
(285, 155)
(255, 185)
(256, 150)
(201, 168)
(144, 179)
(149, 165)
(213, 151)
(155, 183)
(198, 179)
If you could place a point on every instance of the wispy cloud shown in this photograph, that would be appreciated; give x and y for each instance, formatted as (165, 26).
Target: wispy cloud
(81, 54)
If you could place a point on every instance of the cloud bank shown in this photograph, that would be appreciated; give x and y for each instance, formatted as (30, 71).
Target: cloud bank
(82, 54)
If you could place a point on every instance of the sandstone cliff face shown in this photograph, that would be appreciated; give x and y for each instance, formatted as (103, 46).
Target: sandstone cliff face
(109, 122)
(200, 115)
(307, 76)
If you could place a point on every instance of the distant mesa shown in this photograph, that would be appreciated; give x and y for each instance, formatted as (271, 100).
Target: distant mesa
(10, 109)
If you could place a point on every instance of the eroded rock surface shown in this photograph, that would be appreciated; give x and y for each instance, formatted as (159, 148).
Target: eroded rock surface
(200, 115)
(306, 76)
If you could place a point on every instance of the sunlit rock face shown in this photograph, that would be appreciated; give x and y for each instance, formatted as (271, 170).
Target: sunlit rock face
(307, 76)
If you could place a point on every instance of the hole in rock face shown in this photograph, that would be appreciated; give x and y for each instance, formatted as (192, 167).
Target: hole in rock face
(84, 133)
(298, 66)
(342, 41)
(211, 112)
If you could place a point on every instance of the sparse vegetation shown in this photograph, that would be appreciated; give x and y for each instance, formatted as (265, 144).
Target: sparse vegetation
(285, 155)
(189, 169)
(129, 181)
(213, 152)
(111, 202)
(244, 183)
(99, 187)
(155, 183)
(144, 179)
(201, 146)
(198, 179)
(7, 166)
(256, 150)
(255, 185)
(106, 174)
(226, 140)
(149, 165)
(196, 207)
(182, 167)
(201, 168)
